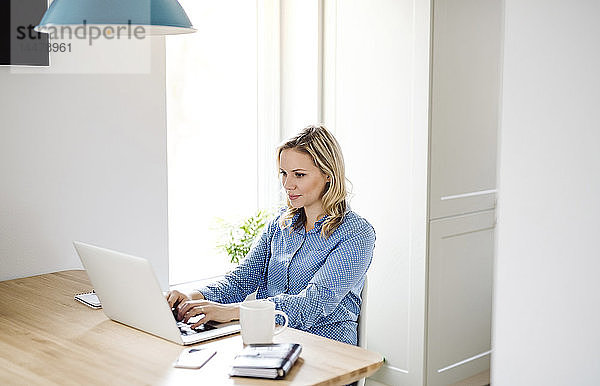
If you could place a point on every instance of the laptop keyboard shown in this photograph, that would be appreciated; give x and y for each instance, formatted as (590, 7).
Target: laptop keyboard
(186, 329)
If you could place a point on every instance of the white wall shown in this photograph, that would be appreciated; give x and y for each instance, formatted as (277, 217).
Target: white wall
(83, 157)
(546, 316)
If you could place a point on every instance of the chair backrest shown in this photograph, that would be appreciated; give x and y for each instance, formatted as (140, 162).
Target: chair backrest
(362, 323)
(362, 316)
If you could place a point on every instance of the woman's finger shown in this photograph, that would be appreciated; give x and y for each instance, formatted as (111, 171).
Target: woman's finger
(184, 307)
(199, 310)
(175, 297)
(203, 319)
(171, 298)
(199, 323)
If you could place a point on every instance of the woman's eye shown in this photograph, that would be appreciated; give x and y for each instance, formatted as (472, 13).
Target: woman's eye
(282, 173)
(300, 175)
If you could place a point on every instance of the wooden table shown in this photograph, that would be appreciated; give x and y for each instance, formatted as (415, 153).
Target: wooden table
(48, 338)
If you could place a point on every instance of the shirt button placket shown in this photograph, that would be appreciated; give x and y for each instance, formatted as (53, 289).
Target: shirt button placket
(300, 239)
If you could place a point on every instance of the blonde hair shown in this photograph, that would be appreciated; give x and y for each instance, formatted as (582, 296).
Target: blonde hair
(322, 147)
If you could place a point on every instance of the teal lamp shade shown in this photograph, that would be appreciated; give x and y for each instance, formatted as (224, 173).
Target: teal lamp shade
(158, 17)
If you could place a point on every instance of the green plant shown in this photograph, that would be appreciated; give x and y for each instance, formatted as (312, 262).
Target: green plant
(240, 236)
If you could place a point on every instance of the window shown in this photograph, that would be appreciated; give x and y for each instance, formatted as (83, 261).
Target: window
(212, 132)
(225, 119)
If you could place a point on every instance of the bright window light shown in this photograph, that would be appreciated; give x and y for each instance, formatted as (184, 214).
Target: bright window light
(212, 132)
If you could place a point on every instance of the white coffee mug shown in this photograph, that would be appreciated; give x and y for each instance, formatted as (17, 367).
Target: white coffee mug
(257, 319)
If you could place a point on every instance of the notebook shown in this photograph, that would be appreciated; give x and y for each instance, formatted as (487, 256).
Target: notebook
(271, 361)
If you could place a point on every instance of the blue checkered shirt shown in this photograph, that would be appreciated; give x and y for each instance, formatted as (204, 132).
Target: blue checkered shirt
(316, 281)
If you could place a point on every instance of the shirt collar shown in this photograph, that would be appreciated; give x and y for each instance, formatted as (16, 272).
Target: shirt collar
(320, 222)
(301, 230)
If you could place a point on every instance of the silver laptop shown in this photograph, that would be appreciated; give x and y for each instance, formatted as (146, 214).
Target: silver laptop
(130, 294)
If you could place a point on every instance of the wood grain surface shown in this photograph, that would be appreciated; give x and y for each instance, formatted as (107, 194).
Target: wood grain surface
(46, 337)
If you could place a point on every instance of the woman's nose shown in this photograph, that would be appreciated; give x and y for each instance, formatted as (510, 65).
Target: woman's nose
(288, 184)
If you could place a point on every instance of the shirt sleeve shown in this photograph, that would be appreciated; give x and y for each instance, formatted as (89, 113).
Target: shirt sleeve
(345, 266)
(246, 277)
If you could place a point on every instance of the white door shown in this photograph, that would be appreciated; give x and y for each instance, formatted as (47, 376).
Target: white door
(460, 297)
(465, 91)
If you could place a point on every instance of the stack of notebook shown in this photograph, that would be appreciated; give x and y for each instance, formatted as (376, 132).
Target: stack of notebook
(266, 360)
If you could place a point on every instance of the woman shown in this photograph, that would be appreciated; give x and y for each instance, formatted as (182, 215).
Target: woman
(312, 259)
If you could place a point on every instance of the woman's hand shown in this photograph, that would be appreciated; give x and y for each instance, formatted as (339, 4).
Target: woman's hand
(210, 311)
(175, 298)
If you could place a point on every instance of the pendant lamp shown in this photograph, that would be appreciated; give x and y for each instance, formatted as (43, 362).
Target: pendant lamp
(157, 17)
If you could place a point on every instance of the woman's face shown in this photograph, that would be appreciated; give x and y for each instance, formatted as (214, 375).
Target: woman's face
(302, 180)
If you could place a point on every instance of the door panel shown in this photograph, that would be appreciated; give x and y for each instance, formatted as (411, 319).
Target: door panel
(460, 297)
(467, 36)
